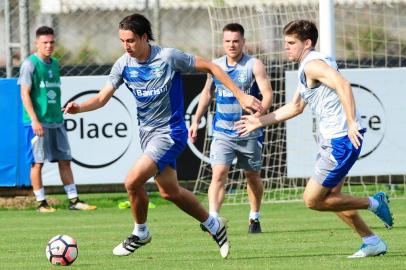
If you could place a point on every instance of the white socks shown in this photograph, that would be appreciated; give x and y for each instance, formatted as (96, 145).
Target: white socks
(71, 191)
(214, 214)
(371, 239)
(254, 215)
(373, 204)
(211, 224)
(141, 230)
(39, 194)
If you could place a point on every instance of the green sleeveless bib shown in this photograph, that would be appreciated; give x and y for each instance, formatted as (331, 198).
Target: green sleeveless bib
(45, 91)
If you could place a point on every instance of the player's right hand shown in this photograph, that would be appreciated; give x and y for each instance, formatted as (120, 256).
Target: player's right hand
(246, 124)
(354, 135)
(193, 131)
(37, 128)
(250, 104)
(71, 108)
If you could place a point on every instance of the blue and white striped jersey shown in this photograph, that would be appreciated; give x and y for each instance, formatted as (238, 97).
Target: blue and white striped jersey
(228, 109)
(324, 101)
(156, 85)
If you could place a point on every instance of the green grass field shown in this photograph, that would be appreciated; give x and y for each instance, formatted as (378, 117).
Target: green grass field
(294, 238)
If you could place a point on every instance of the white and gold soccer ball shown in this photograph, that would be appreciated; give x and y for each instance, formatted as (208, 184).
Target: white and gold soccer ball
(62, 250)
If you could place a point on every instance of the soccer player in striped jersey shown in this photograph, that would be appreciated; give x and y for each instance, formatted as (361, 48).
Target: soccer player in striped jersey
(250, 75)
(152, 74)
(330, 97)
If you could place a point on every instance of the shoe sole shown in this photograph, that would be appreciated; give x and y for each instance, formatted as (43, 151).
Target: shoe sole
(46, 211)
(147, 241)
(380, 254)
(83, 209)
(389, 227)
(376, 255)
(225, 222)
(254, 232)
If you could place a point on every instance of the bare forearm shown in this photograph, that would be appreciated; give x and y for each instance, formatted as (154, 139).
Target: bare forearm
(92, 104)
(29, 107)
(284, 113)
(348, 102)
(226, 81)
(266, 102)
(202, 107)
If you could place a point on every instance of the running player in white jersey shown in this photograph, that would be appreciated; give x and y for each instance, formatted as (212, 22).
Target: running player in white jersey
(250, 75)
(330, 97)
(152, 74)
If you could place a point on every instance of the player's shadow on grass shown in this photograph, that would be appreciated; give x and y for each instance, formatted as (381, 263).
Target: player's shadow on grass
(343, 255)
(328, 229)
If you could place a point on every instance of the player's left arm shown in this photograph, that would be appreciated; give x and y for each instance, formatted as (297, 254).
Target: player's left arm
(318, 70)
(264, 85)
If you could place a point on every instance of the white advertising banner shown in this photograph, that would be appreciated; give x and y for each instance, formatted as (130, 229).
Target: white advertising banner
(105, 142)
(380, 96)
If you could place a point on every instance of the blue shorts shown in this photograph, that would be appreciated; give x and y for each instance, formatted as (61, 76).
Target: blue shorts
(164, 147)
(335, 158)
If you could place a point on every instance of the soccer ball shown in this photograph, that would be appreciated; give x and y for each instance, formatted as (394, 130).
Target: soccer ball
(62, 250)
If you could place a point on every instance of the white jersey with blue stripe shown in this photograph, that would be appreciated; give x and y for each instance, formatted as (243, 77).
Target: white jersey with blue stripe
(228, 109)
(324, 101)
(156, 85)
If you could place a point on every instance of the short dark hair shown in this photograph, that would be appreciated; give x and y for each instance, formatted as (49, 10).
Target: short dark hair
(234, 27)
(138, 24)
(43, 31)
(302, 29)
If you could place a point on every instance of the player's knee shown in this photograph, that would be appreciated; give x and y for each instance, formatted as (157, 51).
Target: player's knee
(37, 166)
(131, 186)
(311, 202)
(348, 214)
(219, 176)
(128, 186)
(169, 196)
(64, 164)
(253, 177)
(218, 180)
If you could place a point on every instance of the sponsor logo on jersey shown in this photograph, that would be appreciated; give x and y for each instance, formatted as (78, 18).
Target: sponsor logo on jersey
(157, 71)
(51, 96)
(150, 92)
(133, 73)
(47, 84)
(224, 92)
(242, 77)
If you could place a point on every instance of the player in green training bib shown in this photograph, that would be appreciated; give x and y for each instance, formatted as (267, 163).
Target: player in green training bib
(45, 134)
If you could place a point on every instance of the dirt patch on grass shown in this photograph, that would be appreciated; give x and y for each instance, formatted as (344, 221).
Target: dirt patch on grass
(23, 202)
